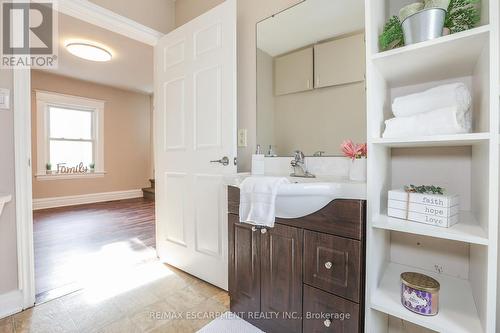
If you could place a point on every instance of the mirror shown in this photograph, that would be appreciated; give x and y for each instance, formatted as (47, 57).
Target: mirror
(310, 78)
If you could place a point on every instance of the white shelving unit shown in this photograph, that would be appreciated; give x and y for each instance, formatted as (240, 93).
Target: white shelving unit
(434, 141)
(458, 312)
(462, 258)
(467, 230)
(433, 60)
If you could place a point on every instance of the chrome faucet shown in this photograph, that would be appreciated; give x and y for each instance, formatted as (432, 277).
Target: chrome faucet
(298, 164)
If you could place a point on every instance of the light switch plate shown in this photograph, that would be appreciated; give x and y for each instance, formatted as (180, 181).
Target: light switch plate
(242, 137)
(4, 99)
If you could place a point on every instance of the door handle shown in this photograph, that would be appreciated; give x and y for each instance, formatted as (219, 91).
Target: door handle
(224, 161)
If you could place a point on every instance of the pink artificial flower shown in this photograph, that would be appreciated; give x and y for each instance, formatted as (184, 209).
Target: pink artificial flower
(349, 149)
(352, 150)
(363, 150)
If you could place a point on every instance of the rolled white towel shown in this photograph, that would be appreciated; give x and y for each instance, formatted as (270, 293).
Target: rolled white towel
(439, 122)
(448, 95)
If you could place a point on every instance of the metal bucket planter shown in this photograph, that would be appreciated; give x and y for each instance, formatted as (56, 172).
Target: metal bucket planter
(424, 25)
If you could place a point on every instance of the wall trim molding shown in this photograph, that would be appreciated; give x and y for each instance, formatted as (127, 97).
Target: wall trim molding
(91, 13)
(11, 303)
(73, 200)
(24, 213)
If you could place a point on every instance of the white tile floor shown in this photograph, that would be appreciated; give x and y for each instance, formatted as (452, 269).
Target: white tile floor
(150, 297)
(229, 323)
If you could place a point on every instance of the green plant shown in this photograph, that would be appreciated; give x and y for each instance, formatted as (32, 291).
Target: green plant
(48, 166)
(444, 4)
(392, 36)
(92, 165)
(410, 10)
(425, 189)
(462, 15)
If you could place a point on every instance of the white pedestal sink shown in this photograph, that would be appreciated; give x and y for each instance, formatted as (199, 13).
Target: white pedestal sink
(304, 196)
(4, 198)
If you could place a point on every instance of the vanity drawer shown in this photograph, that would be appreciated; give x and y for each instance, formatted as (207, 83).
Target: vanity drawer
(233, 200)
(333, 264)
(341, 217)
(324, 312)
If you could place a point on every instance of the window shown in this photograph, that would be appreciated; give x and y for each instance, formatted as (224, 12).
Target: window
(69, 138)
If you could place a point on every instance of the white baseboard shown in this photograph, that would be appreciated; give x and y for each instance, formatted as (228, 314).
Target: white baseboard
(11, 303)
(85, 199)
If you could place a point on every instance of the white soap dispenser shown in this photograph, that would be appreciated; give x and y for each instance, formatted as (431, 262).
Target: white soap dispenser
(258, 162)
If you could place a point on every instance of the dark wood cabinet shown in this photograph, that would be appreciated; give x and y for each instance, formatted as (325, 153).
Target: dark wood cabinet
(266, 275)
(333, 264)
(303, 275)
(244, 265)
(281, 278)
(325, 312)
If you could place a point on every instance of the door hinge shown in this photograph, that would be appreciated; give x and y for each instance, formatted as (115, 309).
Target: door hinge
(235, 161)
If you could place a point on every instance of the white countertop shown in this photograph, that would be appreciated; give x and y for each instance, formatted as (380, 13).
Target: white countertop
(304, 196)
(236, 179)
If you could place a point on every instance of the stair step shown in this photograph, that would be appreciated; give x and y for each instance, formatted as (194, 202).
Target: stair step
(148, 193)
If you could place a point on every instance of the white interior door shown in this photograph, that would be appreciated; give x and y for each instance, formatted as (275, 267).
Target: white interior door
(195, 123)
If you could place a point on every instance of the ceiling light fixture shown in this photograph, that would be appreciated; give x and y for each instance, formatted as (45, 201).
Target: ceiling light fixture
(89, 51)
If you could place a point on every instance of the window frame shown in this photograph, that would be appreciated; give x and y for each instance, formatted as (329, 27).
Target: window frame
(44, 101)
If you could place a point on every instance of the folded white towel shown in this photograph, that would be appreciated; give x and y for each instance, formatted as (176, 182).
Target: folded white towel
(443, 121)
(448, 95)
(258, 199)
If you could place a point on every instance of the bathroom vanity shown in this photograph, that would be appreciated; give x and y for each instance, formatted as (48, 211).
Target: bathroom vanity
(304, 275)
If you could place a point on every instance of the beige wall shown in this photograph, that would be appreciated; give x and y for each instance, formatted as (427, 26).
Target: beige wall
(320, 119)
(156, 14)
(127, 140)
(265, 101)
(8, 247)
(186, 10)
(249, 13)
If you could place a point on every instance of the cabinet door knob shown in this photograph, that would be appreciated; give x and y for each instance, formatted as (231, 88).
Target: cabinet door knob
(328, 265)
(254, 229)
(327, 323)
(263, 230)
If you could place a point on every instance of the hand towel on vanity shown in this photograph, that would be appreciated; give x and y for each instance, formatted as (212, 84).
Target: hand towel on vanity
(448, 95)
(439, 122)
(258, 199)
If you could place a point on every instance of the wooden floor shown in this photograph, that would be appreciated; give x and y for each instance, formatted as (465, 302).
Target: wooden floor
(75, 244)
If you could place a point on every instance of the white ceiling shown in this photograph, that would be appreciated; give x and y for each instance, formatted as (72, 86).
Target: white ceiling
(131, 67)
(309, 22)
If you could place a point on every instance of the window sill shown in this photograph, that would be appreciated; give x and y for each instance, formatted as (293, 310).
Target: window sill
(96, 174)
